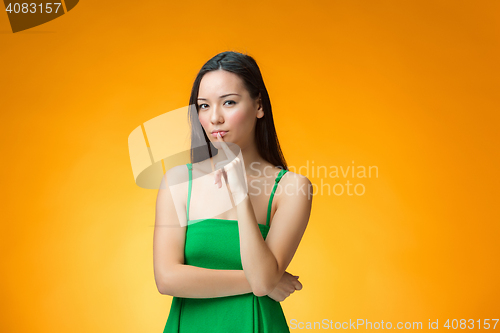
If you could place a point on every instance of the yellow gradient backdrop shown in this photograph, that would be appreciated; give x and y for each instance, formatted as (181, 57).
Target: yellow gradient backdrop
(410, 88)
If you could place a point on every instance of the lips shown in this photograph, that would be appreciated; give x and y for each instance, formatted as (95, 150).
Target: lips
(222, 133)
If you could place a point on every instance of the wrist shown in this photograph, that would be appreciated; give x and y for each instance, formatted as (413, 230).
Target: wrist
(239, 191)
(239, 197)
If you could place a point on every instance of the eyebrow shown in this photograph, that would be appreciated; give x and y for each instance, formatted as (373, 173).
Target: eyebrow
(220, 96)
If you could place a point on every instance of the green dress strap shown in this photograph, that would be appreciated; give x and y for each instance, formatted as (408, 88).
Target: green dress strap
(190, 168)
(276, 181)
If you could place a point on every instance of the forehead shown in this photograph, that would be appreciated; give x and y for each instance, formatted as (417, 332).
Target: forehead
(220, 82)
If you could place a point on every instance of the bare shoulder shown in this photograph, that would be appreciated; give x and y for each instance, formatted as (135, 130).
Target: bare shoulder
(296, 182)
(176, 179)
(290, 221)
(177, 171)
(177, 175)
(295, 189)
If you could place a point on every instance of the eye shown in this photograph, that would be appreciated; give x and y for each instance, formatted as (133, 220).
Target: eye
(202, 108)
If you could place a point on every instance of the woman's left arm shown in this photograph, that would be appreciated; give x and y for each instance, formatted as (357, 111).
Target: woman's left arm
(265, 261)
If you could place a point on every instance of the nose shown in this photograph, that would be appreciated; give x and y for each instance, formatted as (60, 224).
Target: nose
(216, 116)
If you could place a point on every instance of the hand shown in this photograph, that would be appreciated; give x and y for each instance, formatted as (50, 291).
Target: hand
(233, 171)
(287, 286)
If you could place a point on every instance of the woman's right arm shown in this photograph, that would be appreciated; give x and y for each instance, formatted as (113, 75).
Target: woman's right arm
(172, 276)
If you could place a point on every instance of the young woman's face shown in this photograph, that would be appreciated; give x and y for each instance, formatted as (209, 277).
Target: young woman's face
(224, 104)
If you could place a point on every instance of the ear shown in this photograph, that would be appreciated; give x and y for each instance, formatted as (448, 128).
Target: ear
(260, 108)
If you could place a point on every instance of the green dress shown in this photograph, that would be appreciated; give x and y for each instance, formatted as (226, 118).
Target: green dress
(214, 243)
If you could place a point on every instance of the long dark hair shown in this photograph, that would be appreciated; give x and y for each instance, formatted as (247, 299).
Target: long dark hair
(265, 133)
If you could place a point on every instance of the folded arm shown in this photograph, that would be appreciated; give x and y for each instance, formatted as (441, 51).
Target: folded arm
(265, 261)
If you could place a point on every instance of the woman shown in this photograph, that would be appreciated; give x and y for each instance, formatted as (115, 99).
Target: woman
(228, 231)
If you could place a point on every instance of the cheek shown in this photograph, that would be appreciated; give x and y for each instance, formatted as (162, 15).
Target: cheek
(238, 120)
(204, 122)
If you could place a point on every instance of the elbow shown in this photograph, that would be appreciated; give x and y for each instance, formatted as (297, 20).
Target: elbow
(162, 287)
(163, 284)
(164, 290)
(260, 291)
(263, 289)
(167, 290)
(265, 285)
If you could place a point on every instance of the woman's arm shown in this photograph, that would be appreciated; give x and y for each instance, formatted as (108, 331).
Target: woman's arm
(171, 275)
(264, 262)
(196, 282)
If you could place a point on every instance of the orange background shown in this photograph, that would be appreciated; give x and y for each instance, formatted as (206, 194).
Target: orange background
(409, 87)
